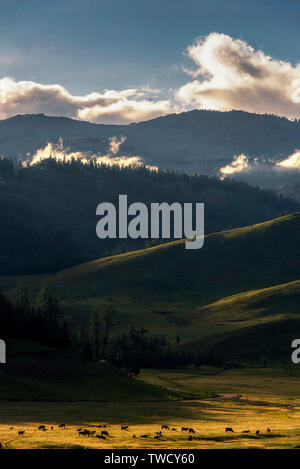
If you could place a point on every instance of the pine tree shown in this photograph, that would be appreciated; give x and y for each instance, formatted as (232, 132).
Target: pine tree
(47, 304)
(22, 299)
(94, 333)
(132, 354)
(100, 327)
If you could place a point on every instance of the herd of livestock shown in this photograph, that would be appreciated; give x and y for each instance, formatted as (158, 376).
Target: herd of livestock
(104, 434)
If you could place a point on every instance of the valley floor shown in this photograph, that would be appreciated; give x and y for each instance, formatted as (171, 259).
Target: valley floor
(246, 399)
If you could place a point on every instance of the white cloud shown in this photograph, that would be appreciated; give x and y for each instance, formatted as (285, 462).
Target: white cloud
(118, 107)
(111, 158)
(124, 111)
(230, 74)
(240, 163)
(291, 162)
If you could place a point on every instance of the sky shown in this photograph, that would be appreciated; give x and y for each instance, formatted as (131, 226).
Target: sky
(122, 61)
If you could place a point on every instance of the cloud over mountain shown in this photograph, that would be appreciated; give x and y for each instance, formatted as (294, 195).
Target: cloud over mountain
(230, 74)
(113, 157)
(118, 107)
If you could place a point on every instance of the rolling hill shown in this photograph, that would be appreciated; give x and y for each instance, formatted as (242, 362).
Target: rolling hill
(243, 284)
(252, 326)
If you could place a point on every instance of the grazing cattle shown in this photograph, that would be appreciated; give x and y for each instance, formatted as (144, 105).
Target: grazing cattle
(268, 430)
(86, 433)
(191, 430)
(21, 432)
(133, 436)
(125, 427)
(62, 425)
(184, 429)
(41, 427)
(157, 437)
(158, 433)
(144, 436)
(246, 431)
(101, 426)
(165, 427)
(104, 432)
(101, 436)
(257, 432)
(78, 429)
(190, 438)
(52, 428)
(228, 429)
(174, 429)
(11, 428)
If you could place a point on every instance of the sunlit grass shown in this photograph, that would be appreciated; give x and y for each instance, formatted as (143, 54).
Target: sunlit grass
(270, 398)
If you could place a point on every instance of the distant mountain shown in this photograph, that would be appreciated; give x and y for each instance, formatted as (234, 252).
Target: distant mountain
(27, 133)
(195, 141)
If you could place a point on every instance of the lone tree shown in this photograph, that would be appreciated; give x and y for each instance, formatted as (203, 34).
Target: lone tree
(101, 325)
(133, 351)
(22, 299)
(47, 304)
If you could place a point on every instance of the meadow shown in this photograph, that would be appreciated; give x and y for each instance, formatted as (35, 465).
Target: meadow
(237, 298)
(243, 399)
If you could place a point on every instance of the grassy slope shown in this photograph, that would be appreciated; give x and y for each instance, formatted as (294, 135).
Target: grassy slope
(251, 326)
(30, 379)
(170, 290)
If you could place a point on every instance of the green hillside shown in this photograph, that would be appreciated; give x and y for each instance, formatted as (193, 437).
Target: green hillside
(207, 296)
(251, 326)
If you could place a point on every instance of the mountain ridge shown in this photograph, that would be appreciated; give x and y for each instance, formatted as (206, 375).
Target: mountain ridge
(197, 140)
